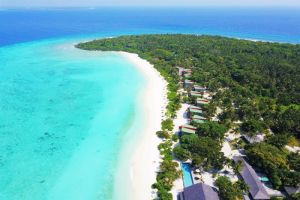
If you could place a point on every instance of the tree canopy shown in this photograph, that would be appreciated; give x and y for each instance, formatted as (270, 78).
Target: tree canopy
(228, 190)
(277, 164)
(204, 151)
(212, 129)
(260, 81)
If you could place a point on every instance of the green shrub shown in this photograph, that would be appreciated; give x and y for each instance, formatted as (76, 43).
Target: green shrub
(228, 190)
(181, 153)
(163, 134)
(167, 125)
(175, 138)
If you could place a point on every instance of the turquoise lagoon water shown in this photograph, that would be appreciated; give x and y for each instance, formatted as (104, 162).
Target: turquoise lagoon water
(186, 173)
(64, 114)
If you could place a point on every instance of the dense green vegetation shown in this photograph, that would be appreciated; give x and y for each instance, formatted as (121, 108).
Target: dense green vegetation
(212, 129)
(256, 83)
(167, 125)
(280, 166)
(278, 140)
(203, 151)
(230, 191)
(168, 171)
(204, 148)
(253, 80)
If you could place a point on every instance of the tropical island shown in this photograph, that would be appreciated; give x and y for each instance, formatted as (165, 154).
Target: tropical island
(240, 101)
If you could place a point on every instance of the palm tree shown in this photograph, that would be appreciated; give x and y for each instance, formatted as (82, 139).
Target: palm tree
(238, 166)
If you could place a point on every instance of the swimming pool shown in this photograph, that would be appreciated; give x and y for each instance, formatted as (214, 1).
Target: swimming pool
(187, 176)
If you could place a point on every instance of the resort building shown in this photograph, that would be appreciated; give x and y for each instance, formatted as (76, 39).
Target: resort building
(187, 129)
(199, 191)
(256, 188)
(194, 110)
(182, 71)
(188, 84)
(198, 119)
(199, 88)
(195, 94)
(200, 101)
(292, 190)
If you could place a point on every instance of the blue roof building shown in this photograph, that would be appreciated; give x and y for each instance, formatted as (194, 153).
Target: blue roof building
(256, 188)
(199, 191)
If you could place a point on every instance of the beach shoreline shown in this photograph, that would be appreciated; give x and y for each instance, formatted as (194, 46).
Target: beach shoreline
(144, 157)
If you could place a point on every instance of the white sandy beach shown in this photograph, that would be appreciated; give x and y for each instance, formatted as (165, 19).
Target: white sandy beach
(144, 162)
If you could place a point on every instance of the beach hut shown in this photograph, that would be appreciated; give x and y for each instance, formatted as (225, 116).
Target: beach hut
(188, 84)
(199, 191)
(194, 110)
(187, 129)
(256, 188)
(182, 71)
(196, 94)
(199, 88)
(198, 119)
(201, 101)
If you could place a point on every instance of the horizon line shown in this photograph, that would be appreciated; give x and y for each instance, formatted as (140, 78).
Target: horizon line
(150, 6)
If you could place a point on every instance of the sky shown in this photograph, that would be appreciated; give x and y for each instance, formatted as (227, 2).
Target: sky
(96, 3)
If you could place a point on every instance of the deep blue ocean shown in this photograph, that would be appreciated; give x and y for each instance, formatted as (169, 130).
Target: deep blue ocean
(67, 115)
(272, 24)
